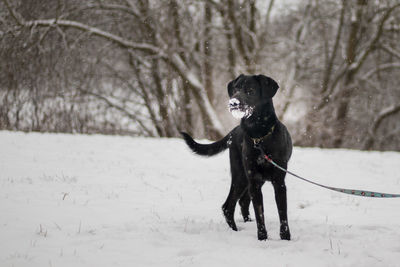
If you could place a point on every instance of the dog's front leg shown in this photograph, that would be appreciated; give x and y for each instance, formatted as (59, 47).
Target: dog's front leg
(257, 199)
(281, 203)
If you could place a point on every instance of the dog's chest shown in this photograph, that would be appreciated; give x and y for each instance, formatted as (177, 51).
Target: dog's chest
(261, 161)
(256, 166)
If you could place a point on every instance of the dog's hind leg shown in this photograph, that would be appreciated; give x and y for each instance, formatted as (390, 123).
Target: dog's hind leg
(244, 203)
(238, 186)
(228, 208)
(281, 201)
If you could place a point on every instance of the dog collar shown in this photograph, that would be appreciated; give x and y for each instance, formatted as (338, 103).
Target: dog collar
(256, 141)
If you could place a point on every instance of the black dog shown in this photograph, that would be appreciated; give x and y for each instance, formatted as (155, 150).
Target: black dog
(251, 99)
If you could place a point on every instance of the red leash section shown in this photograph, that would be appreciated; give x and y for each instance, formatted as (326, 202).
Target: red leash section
(356, 192)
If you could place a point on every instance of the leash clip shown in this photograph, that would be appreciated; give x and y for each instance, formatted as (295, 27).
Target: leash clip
(263, 154)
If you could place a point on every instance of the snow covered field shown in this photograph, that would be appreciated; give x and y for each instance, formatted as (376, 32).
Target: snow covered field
(76, 200)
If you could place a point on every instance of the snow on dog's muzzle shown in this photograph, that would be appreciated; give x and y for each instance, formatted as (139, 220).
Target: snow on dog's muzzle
(238, 110)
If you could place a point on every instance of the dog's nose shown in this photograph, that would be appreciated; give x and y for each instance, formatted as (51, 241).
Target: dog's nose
(234, 102)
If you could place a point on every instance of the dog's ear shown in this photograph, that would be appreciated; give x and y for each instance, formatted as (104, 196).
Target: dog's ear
(268, 86)
(231, 84)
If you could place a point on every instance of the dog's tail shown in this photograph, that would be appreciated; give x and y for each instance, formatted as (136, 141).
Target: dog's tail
(206, 149)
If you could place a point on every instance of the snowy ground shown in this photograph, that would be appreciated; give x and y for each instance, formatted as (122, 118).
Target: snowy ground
(75, 200)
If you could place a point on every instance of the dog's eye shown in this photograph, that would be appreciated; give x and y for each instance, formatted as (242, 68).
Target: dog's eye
(249, 91)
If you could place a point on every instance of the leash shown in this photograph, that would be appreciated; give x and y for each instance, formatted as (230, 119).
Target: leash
(355, 192)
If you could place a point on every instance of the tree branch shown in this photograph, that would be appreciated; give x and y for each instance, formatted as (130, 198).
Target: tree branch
(355, 65)
(372, 44)
(393, 65)
(84, 27)
(328, 71)
(17, 17)
(390, 50)
(119, 108)
(384, 114)
(370, 140)
(238, 34)
(174, 59)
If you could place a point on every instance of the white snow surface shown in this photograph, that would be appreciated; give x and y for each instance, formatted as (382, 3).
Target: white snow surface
(79, 200)
(237, 111)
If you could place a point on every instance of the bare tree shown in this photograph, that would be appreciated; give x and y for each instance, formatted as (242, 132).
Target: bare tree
(156, 46)
(154, 68)
(336, 65)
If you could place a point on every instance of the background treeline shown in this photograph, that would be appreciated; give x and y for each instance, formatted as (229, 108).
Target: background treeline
(153, 68)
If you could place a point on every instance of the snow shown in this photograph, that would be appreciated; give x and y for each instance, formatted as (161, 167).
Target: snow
(239, 111)
(78, 200)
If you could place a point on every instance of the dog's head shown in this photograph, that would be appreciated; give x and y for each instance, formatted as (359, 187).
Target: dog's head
(246, 93)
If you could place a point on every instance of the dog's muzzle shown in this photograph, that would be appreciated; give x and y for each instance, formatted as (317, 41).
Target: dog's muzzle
(239, 110)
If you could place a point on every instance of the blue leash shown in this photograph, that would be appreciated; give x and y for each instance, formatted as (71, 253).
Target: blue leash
(362, 193)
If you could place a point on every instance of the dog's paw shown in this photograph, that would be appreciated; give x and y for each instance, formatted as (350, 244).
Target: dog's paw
(247, 219)
(229, 219)
(262, 235)
(231, 224)
(285, 232)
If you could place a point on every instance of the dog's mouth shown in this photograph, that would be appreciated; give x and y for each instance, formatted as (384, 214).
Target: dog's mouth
(238, 110)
